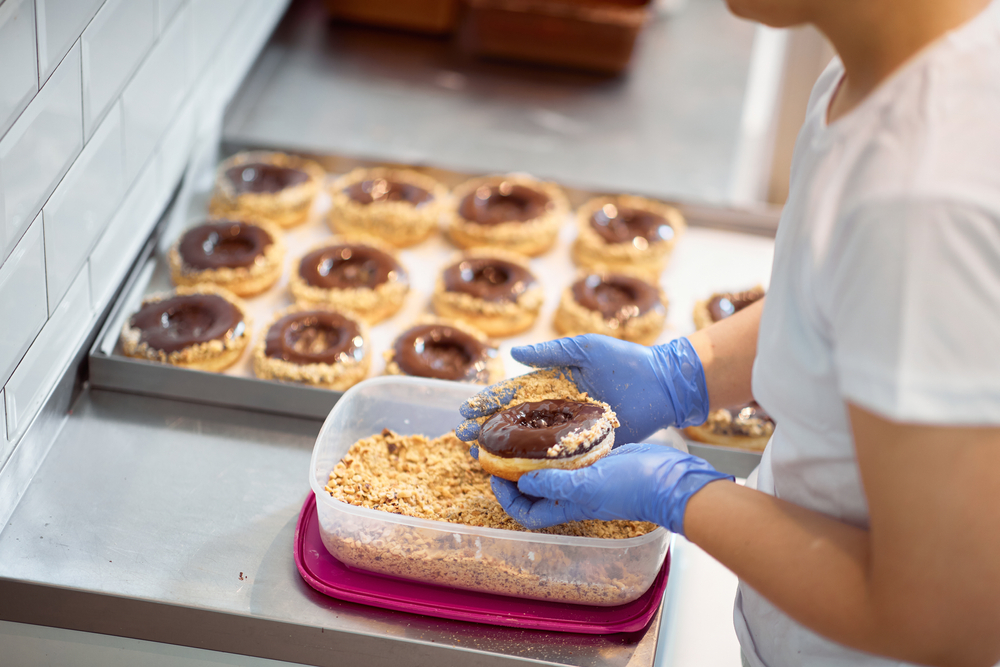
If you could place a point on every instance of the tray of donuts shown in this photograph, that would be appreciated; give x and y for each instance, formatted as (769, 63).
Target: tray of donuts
(296, 275)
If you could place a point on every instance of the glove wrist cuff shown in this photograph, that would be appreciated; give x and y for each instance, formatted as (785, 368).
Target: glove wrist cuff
(682, 378)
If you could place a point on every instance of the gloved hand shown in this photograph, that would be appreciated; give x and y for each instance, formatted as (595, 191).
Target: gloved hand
(635, 482)
(649, 388)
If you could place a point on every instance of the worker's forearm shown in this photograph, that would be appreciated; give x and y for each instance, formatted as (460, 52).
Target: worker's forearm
(727, 350)
(810, 566)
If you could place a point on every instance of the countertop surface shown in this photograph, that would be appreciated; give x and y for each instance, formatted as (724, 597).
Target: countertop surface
(171, 521)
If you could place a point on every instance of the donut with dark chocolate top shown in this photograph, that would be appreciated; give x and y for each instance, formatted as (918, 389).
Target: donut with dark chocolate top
(514, 212)
(360, 277)
(626, 234)
(202, 327)
(446, 351)
(615, 305)
(552, 433)
(745, 427)
(492, 290)
(263, 186)
(401, 207)
(320, 347)
(245, 258)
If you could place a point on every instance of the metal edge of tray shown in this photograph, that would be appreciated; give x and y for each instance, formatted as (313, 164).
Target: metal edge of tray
(736, 462)
(108, 370)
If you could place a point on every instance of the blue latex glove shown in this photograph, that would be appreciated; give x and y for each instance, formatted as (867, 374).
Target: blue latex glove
(649, 388)
(641, 482)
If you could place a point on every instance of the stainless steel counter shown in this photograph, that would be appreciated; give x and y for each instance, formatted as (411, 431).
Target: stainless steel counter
(173, 522)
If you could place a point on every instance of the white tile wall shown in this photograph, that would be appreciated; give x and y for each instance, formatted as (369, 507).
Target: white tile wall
(39, 148)
(42, 366)
(167, 10)
(113, 46)
(59, 24)
(23, 310)
(101, 111)
(18, 62)
(156, 92)
(4, 443)
(80, 208)
(212, 19)
(123, 238)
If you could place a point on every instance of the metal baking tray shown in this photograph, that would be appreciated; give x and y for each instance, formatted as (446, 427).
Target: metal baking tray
(686, 279)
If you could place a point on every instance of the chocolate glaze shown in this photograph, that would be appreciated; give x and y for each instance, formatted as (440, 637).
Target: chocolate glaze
(488, 278)
(439, 351)
(263, 178)
(722, 306)
(181, 321)
(503, 202)
(314, 337)
(621, 224)
(528, 430)
(616, 297)
(744, 418)
(349, 265)
(223, 244)
(383, 189)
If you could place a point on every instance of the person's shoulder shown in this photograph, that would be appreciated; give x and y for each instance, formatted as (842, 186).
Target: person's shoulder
(935, 133)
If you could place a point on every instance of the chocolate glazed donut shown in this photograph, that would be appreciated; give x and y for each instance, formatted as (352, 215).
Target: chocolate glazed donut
(182, 321)
(503, 202)
(722, 306)
(553, 433)
(443, 352)
(386, 190)
(314, 337)
(529, 430)
(488, 278)
(263, 178)
(349, 266)
(223, 244)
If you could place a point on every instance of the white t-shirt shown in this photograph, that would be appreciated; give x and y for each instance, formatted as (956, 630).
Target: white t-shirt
(885, 291)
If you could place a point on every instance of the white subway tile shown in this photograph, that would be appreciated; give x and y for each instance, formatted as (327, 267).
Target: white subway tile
(167, 10)
(112, 46)
(123, 238)
(46, 359)
(4, 443)
(156, 91)
(23, 308)
(38, 149)
(18, 62)
(82, 205)
(175, 148)
(212, 19)
(59, 24)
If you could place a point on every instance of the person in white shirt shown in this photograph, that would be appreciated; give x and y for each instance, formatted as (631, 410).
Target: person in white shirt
(873, 534)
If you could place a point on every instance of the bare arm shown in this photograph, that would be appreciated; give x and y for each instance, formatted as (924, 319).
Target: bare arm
(921, 585)
(727, 350)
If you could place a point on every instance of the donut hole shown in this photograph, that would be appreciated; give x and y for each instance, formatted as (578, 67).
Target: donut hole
(187, 321)
(312, 338)
(350, 267)
(545, 418)
(489, 275)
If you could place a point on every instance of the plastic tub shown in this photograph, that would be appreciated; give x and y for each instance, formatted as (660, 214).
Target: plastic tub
(577, 570)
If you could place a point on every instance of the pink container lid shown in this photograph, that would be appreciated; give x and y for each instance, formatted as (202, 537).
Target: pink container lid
(331, 577)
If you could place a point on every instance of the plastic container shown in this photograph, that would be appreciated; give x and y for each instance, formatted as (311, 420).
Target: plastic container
(595, 35)
(429, 16)
(577, 570)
